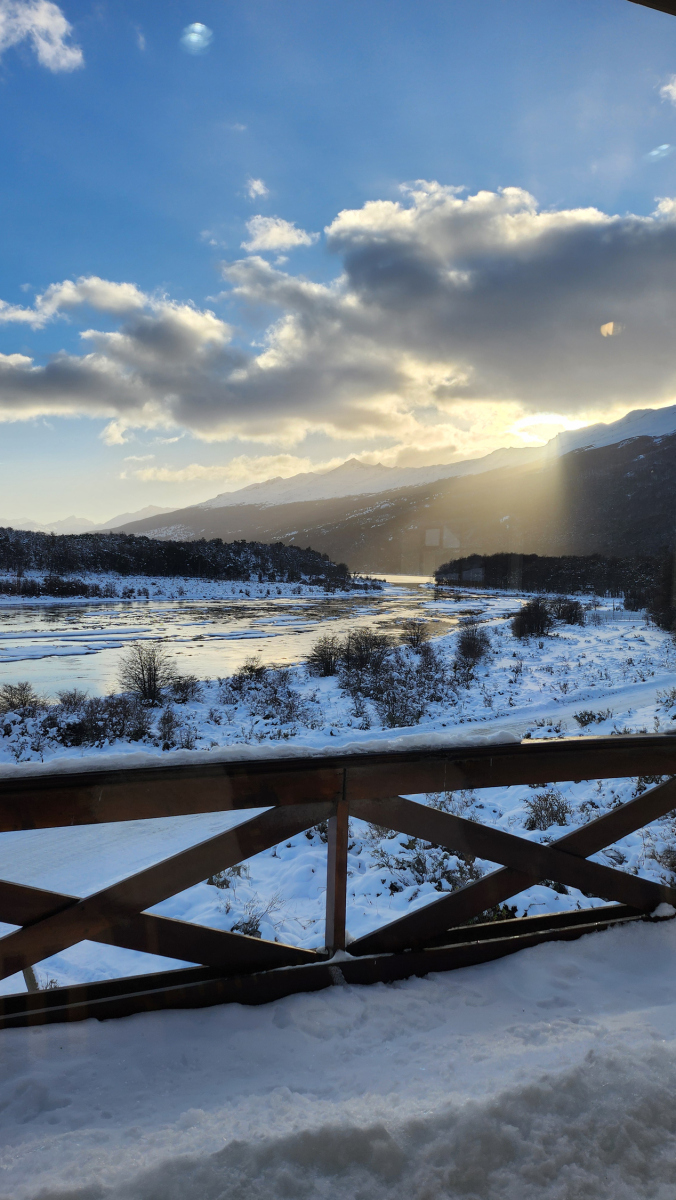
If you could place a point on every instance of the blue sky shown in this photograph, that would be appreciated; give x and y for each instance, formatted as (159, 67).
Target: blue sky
(130, 160)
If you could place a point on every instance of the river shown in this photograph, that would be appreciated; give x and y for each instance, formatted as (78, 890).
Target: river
(65, 645)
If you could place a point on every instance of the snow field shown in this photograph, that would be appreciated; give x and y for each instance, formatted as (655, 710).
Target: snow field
(546, 1076)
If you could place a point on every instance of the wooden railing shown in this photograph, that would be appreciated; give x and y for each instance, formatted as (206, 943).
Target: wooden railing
(298, 793)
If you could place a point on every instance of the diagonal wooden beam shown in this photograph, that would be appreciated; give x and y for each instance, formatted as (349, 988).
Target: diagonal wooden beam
(153, 934)
(115, 905)
(493, 889)
(660, 7)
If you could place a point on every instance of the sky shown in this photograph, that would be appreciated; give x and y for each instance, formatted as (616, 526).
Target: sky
(246, 239)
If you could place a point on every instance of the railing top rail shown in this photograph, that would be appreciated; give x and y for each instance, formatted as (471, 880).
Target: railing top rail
(85, 797)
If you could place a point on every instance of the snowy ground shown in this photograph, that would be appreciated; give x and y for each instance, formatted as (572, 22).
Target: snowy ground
(618, 672)
(546, 1076)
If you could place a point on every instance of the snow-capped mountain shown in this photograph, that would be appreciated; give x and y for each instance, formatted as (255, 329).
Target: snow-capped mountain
(355, 478)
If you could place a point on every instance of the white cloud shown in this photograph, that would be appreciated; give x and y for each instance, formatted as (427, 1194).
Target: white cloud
(118, 299)
(274, 233)
(449, 320)
(45, 26)
(256, 187)
(237, 473)
(668, 90)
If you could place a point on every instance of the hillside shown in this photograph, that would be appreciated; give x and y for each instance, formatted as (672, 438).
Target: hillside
(616, 499)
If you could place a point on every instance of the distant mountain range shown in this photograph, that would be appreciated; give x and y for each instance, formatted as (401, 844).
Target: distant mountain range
(607, 489)
(81, 524)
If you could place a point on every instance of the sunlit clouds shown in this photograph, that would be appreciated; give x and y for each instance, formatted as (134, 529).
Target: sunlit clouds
(44, 26)
(453, 324)
(274, 233)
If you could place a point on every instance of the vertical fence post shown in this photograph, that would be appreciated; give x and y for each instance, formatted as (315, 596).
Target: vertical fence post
(336, 878)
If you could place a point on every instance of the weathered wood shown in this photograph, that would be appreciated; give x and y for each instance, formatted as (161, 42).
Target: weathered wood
(153, 934)
(497, 887)
(76, 798)
(336, 877)
(197, 988)
(114, 905)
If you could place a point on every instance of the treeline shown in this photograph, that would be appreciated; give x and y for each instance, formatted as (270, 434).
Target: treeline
(638, 580)
(125, 554)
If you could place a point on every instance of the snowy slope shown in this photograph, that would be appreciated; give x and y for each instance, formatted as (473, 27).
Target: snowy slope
(643, 422)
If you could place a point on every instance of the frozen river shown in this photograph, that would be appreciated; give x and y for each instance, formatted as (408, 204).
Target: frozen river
(75, 644)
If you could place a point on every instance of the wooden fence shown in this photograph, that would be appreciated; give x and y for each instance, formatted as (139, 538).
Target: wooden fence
(298, 793)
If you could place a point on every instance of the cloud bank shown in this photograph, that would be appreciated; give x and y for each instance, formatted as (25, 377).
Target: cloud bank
(449, 314)
(44, 25)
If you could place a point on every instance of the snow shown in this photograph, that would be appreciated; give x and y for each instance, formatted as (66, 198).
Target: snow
(549, 1075)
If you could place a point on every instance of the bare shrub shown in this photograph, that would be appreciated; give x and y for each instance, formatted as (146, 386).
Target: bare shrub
(72, 699)
(255, 913)
(146, 670)
(325, 655)
(546, 809)
(534, 619)
(365, 649)
(569, 611)
(185, 688)
(473, 643)
(168, 727)
(414, 632)
(586, 716)
(20, 698)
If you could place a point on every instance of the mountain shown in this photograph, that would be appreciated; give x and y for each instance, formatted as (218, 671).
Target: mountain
(150, 510)
(355, 478)
(81, 524)
(607, 489)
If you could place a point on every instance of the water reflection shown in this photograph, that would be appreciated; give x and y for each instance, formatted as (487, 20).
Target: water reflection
(79, 645)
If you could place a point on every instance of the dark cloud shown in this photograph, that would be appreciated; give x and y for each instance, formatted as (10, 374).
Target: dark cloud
(443, 303)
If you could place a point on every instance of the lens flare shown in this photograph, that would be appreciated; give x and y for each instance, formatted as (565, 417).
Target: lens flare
(196, 38)
(660, 152)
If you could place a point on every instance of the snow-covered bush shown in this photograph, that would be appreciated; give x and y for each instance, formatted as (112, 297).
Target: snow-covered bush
(417, 862)
(401, 682)
(267, 693)
(473, 643)
(546, 809)
(96, 720)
